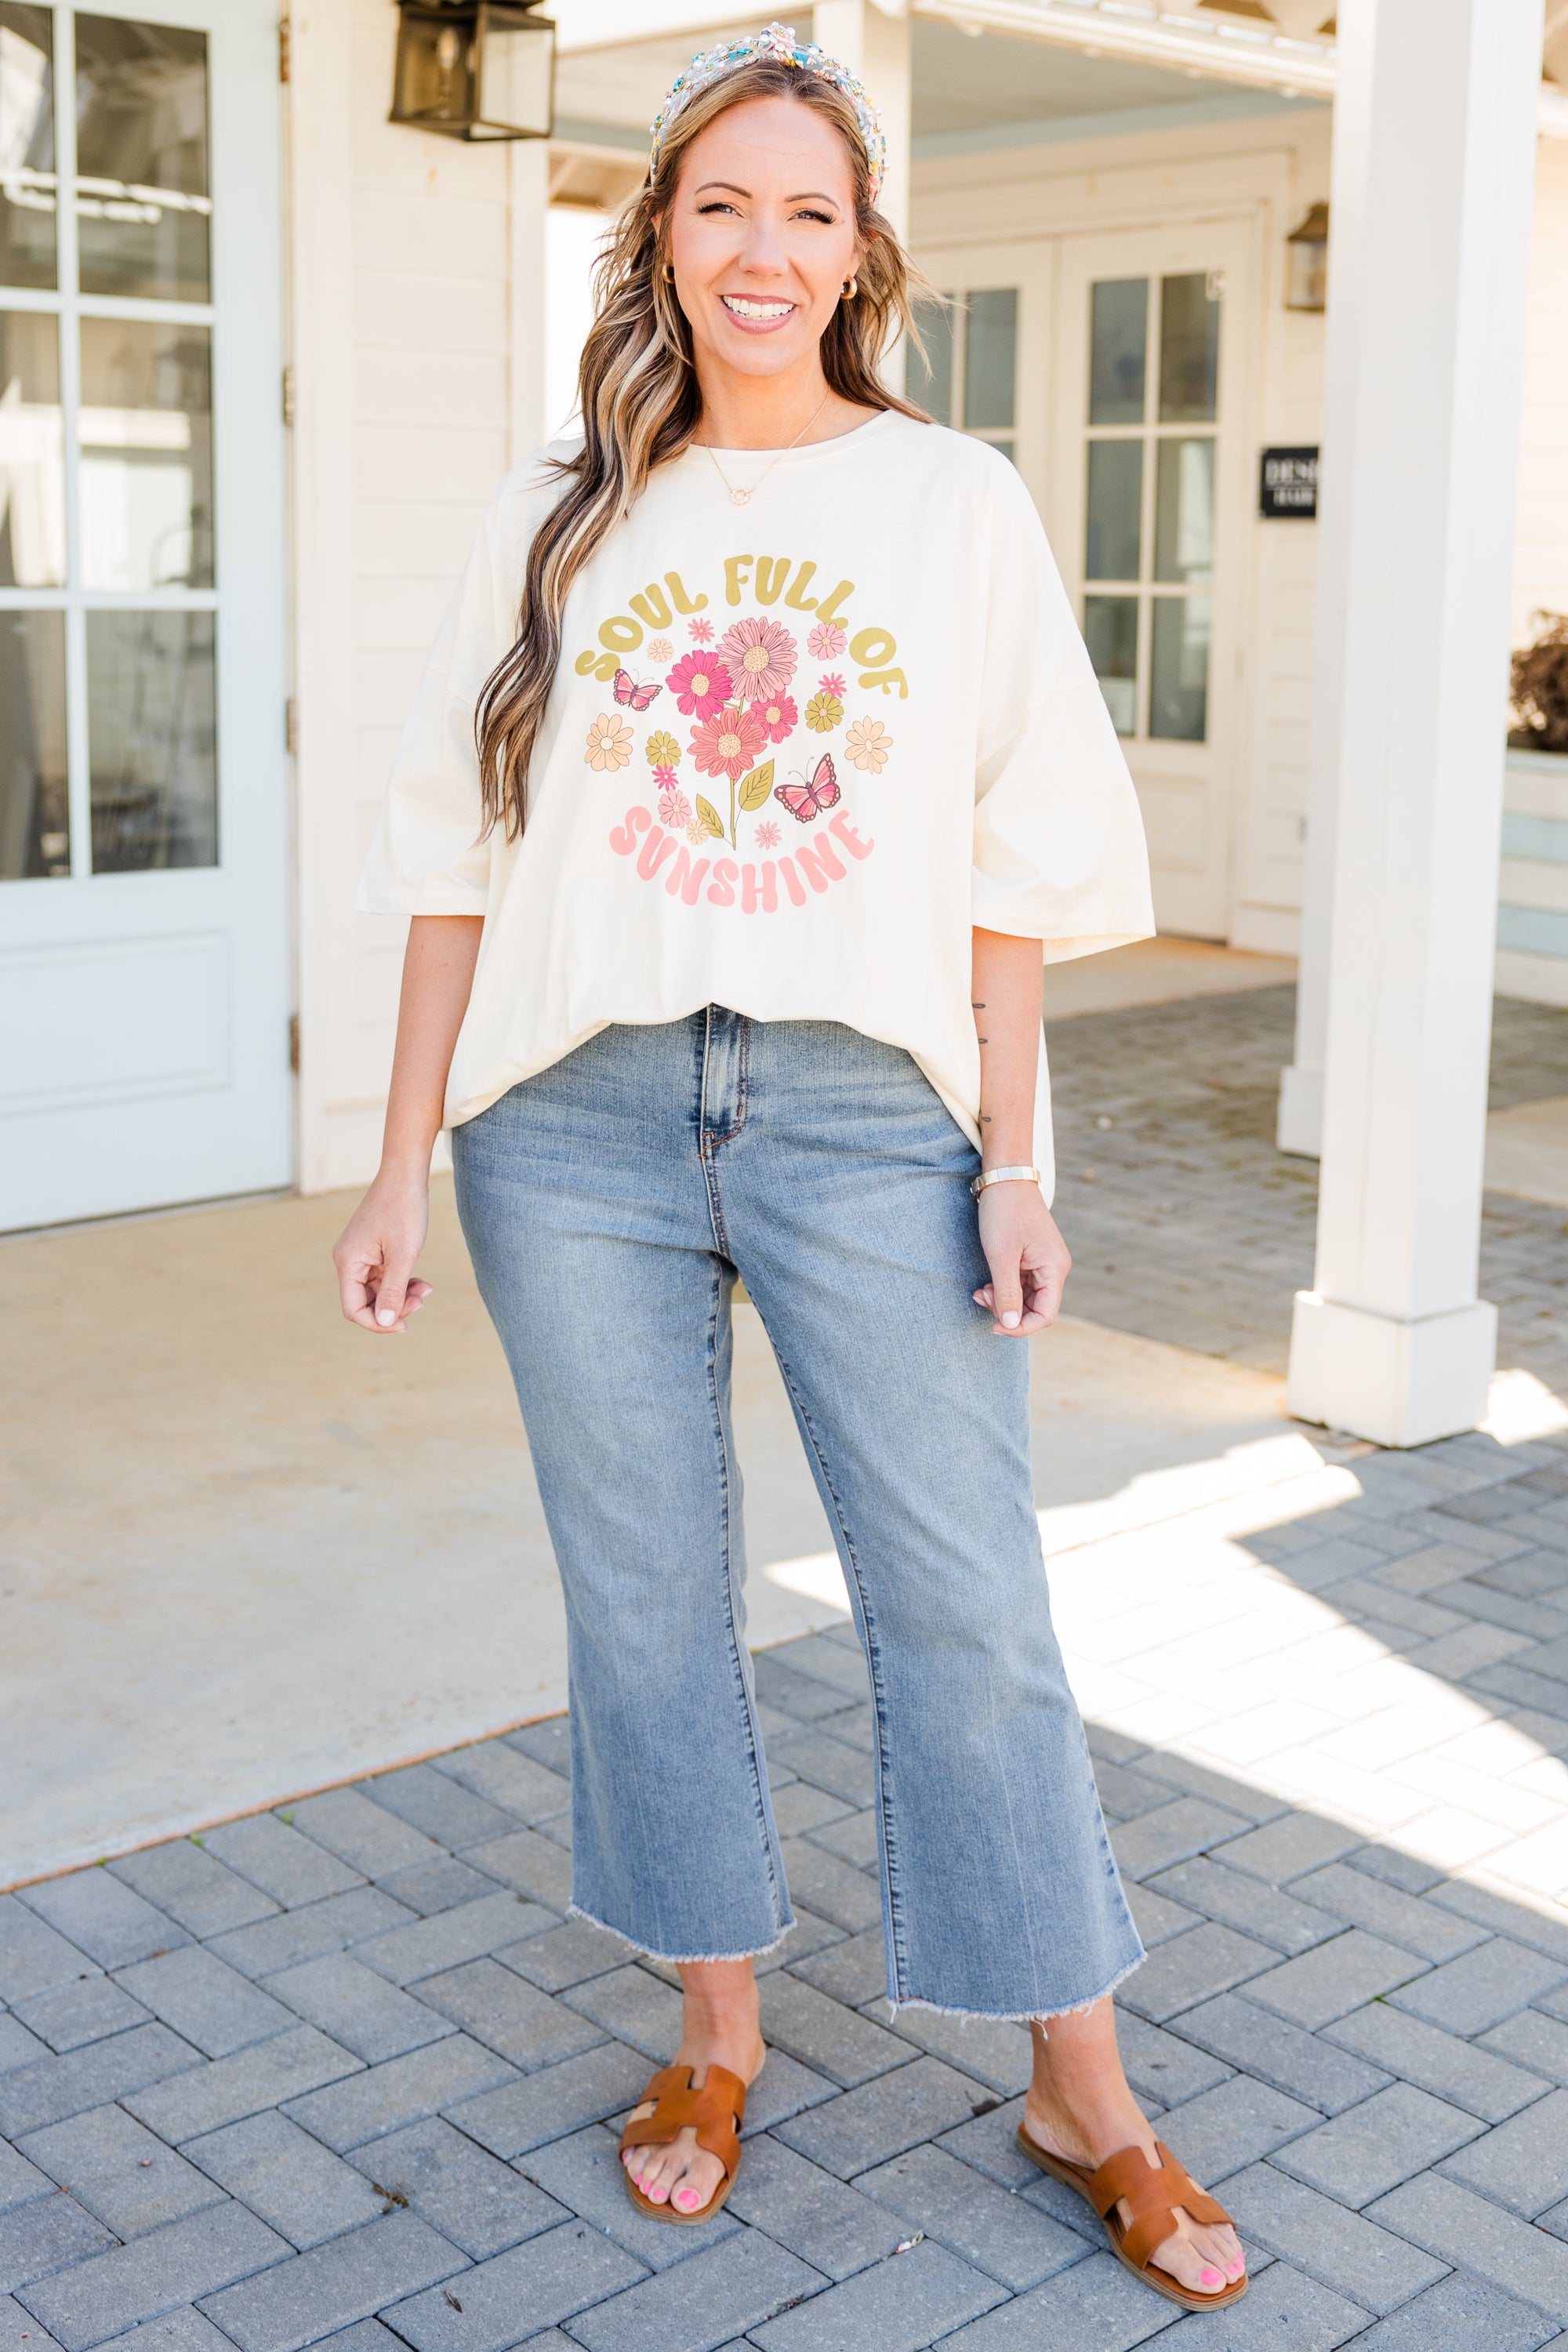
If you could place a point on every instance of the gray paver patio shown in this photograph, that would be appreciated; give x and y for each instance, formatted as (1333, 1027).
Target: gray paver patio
(348, 2074)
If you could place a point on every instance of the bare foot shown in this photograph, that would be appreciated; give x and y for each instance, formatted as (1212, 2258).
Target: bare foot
(1079, 2107)
(718, 2027)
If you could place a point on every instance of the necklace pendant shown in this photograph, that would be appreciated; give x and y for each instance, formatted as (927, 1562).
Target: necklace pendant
(740, 498)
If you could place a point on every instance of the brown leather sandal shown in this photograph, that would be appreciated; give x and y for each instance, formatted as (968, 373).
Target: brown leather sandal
(716, 2112)
(1154, 2192)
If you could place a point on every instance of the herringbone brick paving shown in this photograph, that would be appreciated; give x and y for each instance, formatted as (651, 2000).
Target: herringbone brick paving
(347, 2073)
(1187, 1225)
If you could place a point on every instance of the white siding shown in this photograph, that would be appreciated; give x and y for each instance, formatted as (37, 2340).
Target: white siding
(403, 255)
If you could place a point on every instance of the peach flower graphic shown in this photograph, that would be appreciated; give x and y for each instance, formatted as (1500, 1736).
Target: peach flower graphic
(609, 745)
(868, 744)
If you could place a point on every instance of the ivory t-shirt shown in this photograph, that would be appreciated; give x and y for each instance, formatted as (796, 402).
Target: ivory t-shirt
(795, 751)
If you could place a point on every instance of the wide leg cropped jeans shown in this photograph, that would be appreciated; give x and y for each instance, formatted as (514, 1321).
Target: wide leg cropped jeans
(610, 1204)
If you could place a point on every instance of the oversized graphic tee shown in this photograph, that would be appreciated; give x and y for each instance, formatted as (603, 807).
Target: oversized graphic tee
(795, 751)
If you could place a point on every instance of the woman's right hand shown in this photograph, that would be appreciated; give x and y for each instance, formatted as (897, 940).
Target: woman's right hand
(378, 1250)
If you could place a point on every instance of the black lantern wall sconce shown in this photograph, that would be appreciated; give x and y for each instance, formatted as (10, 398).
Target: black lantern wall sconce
(475, 69)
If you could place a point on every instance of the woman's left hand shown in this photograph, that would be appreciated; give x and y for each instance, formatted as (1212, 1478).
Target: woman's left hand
(1028, 1257)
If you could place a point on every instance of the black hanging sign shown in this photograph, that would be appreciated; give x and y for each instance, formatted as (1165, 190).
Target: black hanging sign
(1288, 486)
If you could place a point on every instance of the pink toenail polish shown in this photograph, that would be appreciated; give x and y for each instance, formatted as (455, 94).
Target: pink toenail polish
(1210, 2278)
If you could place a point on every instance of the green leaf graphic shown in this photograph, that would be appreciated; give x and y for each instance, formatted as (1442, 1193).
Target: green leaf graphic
(711, 817)
(756, 788)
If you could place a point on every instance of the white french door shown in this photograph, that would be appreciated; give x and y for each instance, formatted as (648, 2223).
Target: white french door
(1148, 496)
(143, 777)
(987, 351)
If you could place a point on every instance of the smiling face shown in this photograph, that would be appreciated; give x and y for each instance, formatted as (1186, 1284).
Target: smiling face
(762, 237)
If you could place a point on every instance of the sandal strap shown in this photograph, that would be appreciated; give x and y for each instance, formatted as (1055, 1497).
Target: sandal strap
(715, 2113)
(1152, 2193)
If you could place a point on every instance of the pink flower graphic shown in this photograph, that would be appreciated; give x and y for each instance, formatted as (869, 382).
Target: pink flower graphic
(767, 835)
(701, 684)
(664, 778)
(675, 808)
(701, 632)
(728, 744)
(779, 716)
(659, 650)
(830, 684)
(826, 642)
(761, 658)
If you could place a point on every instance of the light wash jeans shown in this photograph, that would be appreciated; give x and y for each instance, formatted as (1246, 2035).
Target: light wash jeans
(608, 1204)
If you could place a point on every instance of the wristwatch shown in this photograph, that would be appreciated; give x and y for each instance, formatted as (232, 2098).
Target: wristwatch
(1004, 1176)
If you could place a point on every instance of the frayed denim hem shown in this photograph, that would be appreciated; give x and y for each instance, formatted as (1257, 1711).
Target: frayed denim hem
(1020, 2016)
(680, 1959)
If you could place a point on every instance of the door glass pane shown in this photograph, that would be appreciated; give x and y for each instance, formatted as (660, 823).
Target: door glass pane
(146, 455)
(141, 159)
(151, 740)
(1111, 632)
(1189, 350)
(930, 381)
(35, 829)
(1113, 536)
(26, 147)
(1119, 336)
(1179, 677)
(1183, 512)
(32, 453)
(990, 355)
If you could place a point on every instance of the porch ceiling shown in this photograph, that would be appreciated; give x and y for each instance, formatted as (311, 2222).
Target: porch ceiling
(970, 93)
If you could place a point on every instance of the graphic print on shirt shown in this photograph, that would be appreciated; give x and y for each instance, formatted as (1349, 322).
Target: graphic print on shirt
(745, 698)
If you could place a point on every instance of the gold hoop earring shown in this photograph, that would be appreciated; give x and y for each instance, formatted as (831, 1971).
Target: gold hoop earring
(669, 273)
(850, 287)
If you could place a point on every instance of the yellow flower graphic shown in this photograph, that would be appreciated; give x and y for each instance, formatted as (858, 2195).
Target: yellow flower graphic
(868, 744)
(823, 713)
(663, 751)
(609, 744)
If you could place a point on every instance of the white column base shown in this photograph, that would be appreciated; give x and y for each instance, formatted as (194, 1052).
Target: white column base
(1300, 1123)
(1396, 1384)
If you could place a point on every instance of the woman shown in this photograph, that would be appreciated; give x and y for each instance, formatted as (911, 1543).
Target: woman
(726, 960)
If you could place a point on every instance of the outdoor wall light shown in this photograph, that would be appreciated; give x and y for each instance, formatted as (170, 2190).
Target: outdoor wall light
(1307, 262)
(475, 69)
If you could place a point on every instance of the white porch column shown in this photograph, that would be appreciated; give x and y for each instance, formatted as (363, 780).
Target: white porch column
(528, 193)
(872, 38)
(1438, 169)
(1301, 1122)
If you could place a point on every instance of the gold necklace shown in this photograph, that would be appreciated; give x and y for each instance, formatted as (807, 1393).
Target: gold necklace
(744, 497)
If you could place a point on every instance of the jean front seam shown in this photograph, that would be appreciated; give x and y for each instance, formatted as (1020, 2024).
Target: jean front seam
(782, 1916)
(884, 1772)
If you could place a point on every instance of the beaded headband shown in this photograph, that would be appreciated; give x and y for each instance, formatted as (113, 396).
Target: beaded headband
(777, 42)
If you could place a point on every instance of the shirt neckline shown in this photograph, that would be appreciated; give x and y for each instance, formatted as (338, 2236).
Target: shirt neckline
(840, 444)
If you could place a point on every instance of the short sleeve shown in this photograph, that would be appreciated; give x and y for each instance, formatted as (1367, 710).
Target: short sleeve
(1059, 852)
(428, 855)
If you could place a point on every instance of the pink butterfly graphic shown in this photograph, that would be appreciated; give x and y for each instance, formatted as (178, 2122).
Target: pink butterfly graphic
(630, 695)
(806, 801)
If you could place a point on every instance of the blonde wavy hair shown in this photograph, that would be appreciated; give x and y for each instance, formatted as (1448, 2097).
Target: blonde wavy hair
(641, 405)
